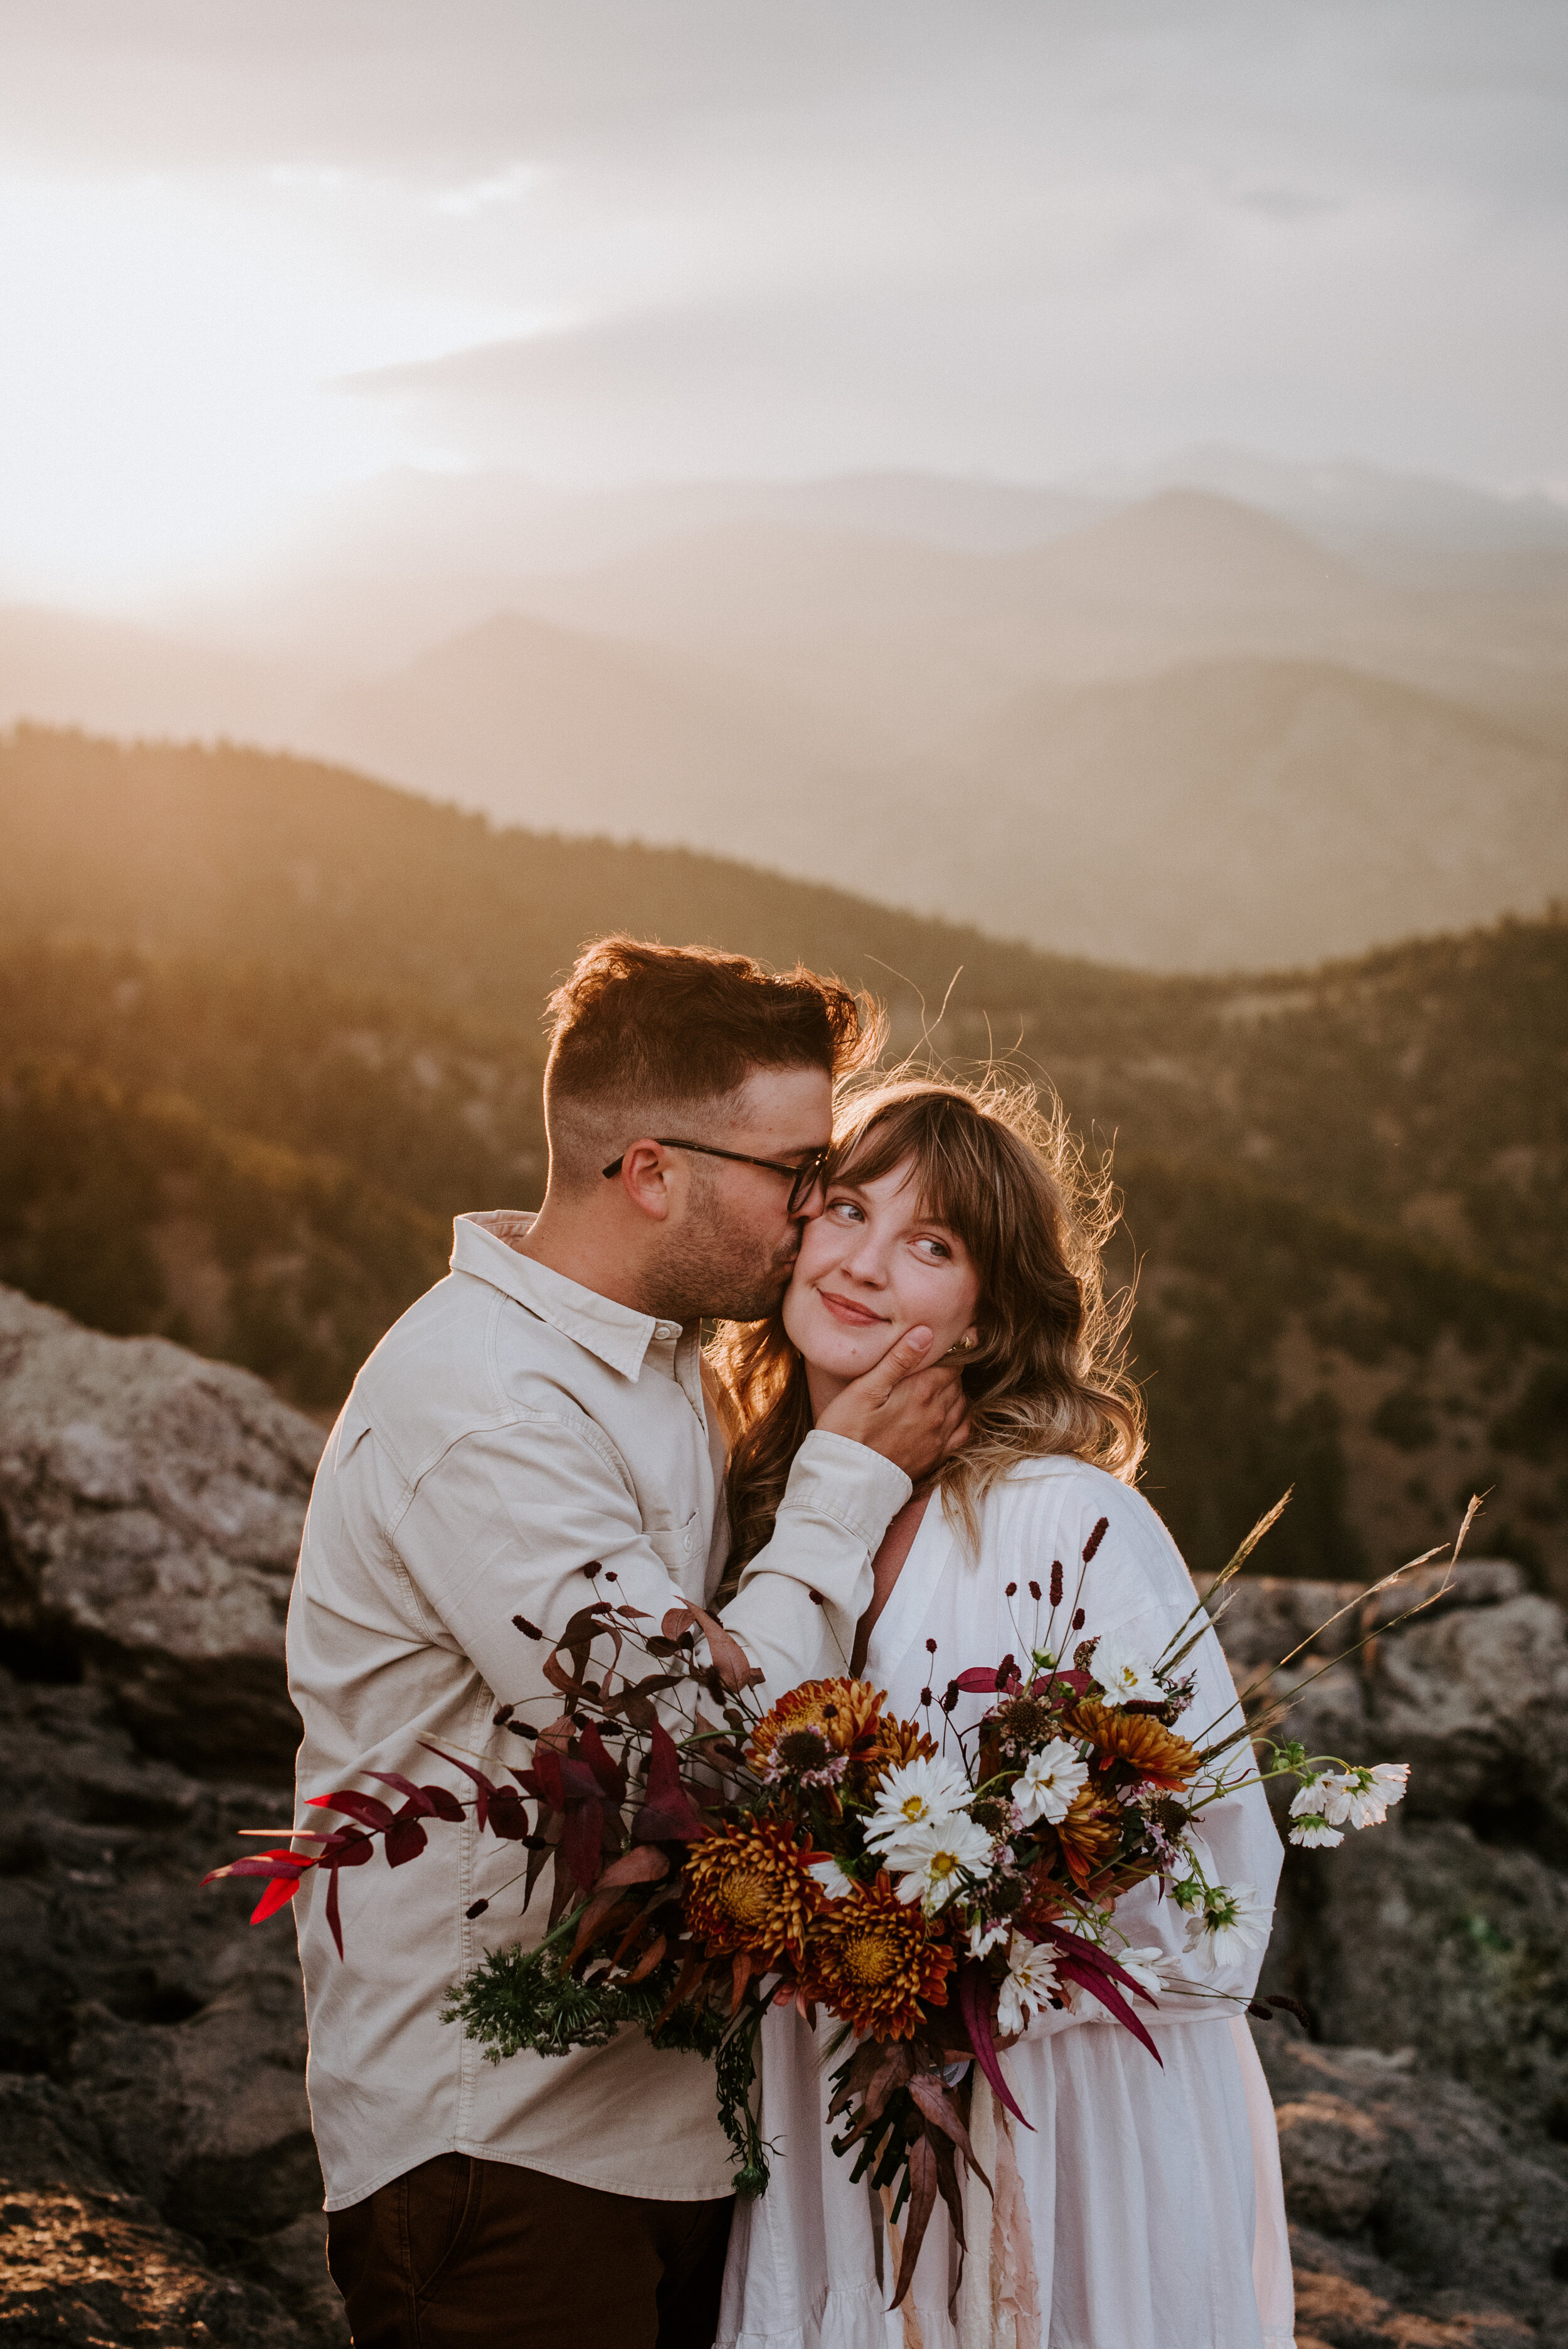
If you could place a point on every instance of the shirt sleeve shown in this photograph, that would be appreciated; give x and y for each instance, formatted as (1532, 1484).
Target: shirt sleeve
(508, 1521)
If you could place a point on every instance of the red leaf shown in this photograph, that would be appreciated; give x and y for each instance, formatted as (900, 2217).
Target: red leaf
(444, 1803)
(977, 1677)
(349, 1848)
(366, 1808)
(405, 1839)
(546, 1770)
(975, 2006)
(277, 1894)
(269, 1864)
(334, 1921)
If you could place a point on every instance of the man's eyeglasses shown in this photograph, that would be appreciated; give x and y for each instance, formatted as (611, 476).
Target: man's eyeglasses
(804, 1175)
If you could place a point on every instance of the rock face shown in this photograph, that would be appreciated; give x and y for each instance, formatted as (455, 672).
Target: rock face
(150, 1507)
(157, 2172)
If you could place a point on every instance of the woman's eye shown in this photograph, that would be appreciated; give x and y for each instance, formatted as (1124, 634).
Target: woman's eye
(845, 1210)
(939, 1249)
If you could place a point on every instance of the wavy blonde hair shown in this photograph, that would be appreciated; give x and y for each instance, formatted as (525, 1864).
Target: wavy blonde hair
(998, 1164)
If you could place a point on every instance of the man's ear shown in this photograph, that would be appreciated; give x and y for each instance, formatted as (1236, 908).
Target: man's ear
(645, 1177)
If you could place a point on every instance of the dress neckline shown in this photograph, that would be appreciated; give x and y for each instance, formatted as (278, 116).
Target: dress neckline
(898, 1625)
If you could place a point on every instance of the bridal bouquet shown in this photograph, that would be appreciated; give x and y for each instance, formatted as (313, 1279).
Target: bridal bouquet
(929, 1889)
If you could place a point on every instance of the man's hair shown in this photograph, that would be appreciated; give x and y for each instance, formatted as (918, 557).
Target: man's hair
(637, 1029)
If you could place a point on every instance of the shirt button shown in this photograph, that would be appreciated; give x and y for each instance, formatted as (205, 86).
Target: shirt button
(666, 1329)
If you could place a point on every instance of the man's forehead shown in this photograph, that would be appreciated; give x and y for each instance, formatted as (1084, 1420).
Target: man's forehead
(790, 1109)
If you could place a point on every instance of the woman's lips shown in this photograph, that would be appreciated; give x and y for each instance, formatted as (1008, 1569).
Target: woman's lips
(845, 1309)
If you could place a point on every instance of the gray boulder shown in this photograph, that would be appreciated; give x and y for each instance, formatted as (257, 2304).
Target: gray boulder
(150, 1509)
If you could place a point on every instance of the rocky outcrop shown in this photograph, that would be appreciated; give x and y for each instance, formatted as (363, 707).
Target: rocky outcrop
(150, 1507)
(157, 2172)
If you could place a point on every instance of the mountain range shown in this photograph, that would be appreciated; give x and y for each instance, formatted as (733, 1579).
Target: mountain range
(1154, 722)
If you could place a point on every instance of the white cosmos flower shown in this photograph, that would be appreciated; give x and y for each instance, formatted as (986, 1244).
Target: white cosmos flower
(1229, 1922)
(983, 1937)
(1050, 1779)
(832, 1877)
(1314, 1831)
(1026, 1986)
(936, 1859)
(1143, 1965)
(1125, 1673)
(1361, 1798)
(916, 1795)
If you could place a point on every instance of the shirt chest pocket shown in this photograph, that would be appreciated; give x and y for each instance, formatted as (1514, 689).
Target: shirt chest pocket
(679, 1552)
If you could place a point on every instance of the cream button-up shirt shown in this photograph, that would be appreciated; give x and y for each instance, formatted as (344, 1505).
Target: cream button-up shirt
(511, 1428)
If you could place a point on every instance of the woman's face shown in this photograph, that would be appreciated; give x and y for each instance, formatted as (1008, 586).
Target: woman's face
(871, 1266)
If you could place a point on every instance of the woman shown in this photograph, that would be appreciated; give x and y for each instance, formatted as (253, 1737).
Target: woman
(1155, 2214)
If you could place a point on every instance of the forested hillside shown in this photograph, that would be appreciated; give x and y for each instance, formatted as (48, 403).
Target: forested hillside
(265, 1026)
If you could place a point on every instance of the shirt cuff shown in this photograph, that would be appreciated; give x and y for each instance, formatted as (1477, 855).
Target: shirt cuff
(834, 1477)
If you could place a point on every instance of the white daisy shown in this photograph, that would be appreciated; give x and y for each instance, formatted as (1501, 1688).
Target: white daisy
(917, 1795)
(832, 1877)
(983, 1937)
(1050, 1780)
(938, 1858)
(1026, 1986)
(1125, 1673)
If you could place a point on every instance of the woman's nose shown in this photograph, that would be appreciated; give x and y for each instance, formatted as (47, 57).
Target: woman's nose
(865, 1263)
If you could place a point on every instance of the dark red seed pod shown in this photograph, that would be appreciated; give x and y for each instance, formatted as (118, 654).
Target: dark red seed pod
(1011, 1592)
(1095, 1538)
(931, 1647)
(1078, 1621)
(1035, 1592)
(924, 1698)
(1056, 1582)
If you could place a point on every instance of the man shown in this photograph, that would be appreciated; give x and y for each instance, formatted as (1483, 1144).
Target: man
(539, 1410)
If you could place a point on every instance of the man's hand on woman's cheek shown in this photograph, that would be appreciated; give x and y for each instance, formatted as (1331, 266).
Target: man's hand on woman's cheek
(913, 1416)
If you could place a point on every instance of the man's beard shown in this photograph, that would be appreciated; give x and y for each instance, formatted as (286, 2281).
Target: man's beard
(711, 1271)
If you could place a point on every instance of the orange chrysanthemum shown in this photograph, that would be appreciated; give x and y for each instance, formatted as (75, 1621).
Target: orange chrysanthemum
(1089, 1834)
(899, 1742)
(839, 1714)
(1156, 1753)
(874, 1962)
(747, 1889)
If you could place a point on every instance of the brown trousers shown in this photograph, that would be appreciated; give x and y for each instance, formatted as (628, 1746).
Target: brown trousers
(466, 2255)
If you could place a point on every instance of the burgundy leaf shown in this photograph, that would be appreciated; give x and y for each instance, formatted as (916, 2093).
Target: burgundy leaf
(508, 1818)
(405, 1839)
(917, 2210)
(349, 1848)
(444, 1803)
(975, 1995)
(582, 1839)
(609, 1773)
(366, 1808)
(480, 1781)
(418, 1805)
(977, 1677)
(333, 1919)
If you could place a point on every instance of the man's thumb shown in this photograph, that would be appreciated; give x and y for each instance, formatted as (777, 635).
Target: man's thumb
(900, 1359)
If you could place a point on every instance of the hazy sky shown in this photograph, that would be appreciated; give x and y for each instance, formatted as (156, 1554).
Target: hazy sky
(250, 253)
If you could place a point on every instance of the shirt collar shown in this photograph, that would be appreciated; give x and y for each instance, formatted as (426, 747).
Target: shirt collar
(485, 1245)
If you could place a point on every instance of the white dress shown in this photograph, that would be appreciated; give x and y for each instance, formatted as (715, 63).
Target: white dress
(1155, 2218)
